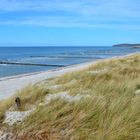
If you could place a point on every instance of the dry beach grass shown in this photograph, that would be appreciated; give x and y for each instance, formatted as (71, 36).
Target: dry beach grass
(110, 111)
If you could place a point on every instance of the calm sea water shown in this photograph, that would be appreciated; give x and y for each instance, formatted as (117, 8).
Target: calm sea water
(54, 55)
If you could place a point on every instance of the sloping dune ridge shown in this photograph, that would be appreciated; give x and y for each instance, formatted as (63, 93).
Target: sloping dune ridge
(92, 101)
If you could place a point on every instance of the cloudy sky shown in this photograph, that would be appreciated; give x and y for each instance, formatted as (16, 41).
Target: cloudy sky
(69, 22)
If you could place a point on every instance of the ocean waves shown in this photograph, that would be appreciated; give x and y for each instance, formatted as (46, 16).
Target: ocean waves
(53, 56)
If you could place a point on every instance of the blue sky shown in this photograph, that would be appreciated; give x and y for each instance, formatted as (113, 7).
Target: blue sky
(69, 22)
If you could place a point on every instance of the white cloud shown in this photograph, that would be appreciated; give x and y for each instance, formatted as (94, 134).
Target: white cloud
(47, 21)
(84, 13)
(83, 7)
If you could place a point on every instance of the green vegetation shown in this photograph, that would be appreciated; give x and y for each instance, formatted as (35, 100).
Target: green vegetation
(112, 111)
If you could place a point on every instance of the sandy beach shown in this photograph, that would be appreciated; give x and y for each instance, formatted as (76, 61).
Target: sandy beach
(9, 85)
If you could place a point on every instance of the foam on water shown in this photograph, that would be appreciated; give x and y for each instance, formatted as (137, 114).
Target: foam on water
(54, 55)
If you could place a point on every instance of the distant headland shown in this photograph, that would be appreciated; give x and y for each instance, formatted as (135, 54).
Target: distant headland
(127, 45)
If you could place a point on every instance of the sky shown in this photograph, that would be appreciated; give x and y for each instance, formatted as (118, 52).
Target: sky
(69, 22)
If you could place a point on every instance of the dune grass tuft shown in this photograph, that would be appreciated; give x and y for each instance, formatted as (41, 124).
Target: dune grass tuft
(112, 111)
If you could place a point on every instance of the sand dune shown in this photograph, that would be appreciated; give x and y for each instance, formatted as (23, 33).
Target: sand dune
(9, 85)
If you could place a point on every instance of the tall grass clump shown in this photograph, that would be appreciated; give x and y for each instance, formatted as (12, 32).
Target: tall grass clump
(30, 95)
(110, 112)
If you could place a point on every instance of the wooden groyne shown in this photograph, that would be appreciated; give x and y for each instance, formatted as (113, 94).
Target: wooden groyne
(31, 64)
(59, 56)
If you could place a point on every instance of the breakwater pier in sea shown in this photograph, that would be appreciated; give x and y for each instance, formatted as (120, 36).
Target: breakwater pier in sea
(30, 64)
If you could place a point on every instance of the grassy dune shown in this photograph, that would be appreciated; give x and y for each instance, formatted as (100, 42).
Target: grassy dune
(111, 110)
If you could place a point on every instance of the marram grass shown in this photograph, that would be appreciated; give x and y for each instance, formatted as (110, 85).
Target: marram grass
(112, 111)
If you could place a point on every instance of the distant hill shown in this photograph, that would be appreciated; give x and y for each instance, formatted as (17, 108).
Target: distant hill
(127, 45)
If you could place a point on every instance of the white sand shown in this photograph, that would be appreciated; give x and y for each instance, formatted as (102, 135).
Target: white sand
(6, 136)
(64, 96)
(9, 85)
(12, 117)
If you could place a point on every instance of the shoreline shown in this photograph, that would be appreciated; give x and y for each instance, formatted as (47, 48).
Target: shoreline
(9, 85)
(55, 69)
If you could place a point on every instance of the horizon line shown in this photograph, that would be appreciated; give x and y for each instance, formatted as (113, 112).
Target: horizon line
(55, 45)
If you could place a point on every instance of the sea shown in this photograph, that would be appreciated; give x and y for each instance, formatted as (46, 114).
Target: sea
(54, 56)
